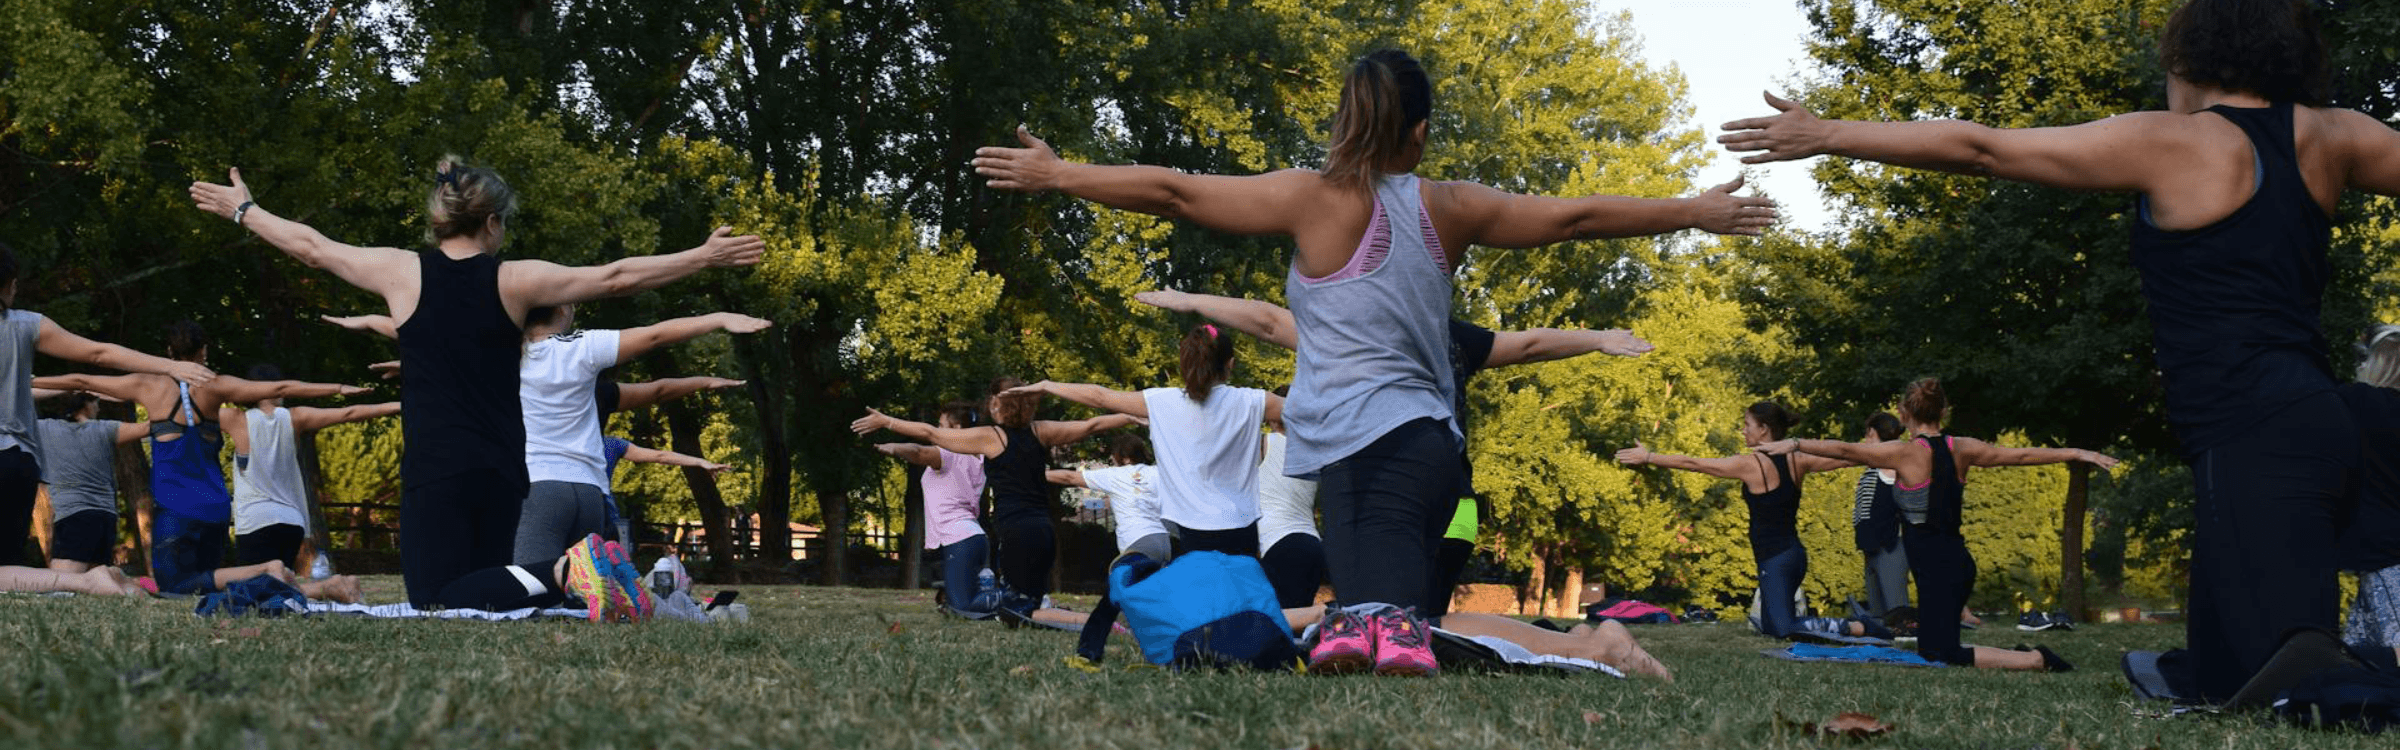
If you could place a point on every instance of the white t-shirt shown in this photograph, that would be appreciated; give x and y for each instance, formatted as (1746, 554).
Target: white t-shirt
(1207, 455)
(1286, 506)
(268, 490)
(562, 422)
(1132, 500)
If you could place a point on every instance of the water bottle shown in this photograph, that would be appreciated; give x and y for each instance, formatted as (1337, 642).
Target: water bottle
(322, 567)
(985, 581)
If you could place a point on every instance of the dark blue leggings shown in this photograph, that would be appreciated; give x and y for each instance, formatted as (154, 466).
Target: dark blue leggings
(1779, 576)
(962, 564)
(1945, 574)
(185, 553)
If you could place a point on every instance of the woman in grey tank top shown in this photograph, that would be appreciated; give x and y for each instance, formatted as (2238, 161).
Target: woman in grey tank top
(1370, 415)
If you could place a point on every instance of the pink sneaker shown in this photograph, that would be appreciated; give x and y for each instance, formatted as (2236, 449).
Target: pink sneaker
(1402, 647)
(1344, 645)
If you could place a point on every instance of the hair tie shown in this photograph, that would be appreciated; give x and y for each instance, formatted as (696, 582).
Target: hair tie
(446, 177)
(1211, 329)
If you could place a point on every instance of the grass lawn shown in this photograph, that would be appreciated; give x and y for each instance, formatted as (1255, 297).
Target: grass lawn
(878, 669)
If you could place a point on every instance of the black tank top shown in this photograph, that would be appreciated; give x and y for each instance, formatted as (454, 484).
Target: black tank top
(2234, 306)
(1020, 488)
(1946, 495)
(459, 376)
(1774, 514)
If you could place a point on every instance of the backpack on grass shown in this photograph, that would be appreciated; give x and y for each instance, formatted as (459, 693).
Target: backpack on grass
(1205, 609)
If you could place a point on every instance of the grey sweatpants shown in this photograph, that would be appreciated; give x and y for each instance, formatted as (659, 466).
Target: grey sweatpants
(1887, 580)
(556, 516)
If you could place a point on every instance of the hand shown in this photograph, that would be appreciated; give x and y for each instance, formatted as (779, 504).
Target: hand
(1637, 455)
(389, 369)
(1167, 299)
(1618, 342)
(1718, 211)
(353, 390)
(739, 323)
(221, 199)
(1792, 133)
(190, 372)
(718, 384)
(1784, 447)
(1033, 168)
(874, 420)
(2096, 458)
(891, 449)
(713, 467)
(352, 322)
(724, 250)
(1035, 389)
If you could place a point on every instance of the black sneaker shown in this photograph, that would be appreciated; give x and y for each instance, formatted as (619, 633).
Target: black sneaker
(2060, 621)
(2036, 621)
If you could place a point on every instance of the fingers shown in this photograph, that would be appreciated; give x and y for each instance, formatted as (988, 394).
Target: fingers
(1025, 136)
(1779, 103)
(238, 184)
(1729, 187)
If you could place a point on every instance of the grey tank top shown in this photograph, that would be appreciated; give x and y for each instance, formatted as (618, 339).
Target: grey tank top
(17, 420)
(1374, 338)
(82, 465)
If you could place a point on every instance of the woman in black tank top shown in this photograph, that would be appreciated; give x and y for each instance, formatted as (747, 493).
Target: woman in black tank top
(460, 312)
(1771, 490)
(2235, 182)
(1931, 490)
(1016, 456)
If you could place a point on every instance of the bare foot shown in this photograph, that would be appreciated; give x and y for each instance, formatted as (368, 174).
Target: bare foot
(107, 581)
(342, 589)
(1624, 653)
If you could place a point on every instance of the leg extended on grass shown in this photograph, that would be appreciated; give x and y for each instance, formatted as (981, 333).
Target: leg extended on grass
(1607, 642)
(100, 581)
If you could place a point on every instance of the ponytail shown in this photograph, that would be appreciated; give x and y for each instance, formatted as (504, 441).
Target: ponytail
(1384, 97)
(1206, 360)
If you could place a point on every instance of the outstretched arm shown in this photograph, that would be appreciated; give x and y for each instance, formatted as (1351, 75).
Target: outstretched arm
(1062, 433)
(980, 441)
(2374, 153)
(309, 418)
(631, 396)
(1257, 204)
(921, 455)
(1546, 344)
(1979, 453)
(527, 284)
(59, 342)
(1065, 477)
(641, 455)
(635, 342)
(1097, 397)
(2127, 152)
(1884, 455)
(241, 391)
(1728, 467)
(381, 325)
(132, 431)
(1265, 321)
(119, 387)
(388, 272)
(1493, 218)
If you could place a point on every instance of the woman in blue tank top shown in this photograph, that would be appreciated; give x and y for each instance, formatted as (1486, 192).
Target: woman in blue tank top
(1931, 492)
(2235, 182)
(1370, 410)
(460, 313)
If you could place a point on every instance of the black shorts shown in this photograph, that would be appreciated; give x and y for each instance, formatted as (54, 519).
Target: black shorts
(87, 536)
(276, 542)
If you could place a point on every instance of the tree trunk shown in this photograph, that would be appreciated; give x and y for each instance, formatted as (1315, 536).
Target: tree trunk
(683, 435)
(1571, 604)
(1537, 587)
(312, 483)
(2070, 540)
(834, 506)
(912, 530)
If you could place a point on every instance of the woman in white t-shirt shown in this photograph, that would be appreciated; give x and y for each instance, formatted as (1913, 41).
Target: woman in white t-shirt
(1206, 436)
(567, 500)
(953, 485)
(1131, 484)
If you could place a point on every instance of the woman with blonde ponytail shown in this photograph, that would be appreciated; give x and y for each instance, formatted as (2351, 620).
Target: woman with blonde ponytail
(460, 313)
(1371, 415)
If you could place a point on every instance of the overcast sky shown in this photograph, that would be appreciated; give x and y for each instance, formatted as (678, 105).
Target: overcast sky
(1729, 51)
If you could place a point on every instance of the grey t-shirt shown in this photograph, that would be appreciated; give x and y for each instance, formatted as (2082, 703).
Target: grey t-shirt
(80, 465)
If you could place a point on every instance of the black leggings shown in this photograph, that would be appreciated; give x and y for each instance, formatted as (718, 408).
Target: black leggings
(1241, 541)
(1296, 567)
(1386, 508)
(1945, 574)
(19, 480)
(1449, 564)
(454, 526)
(1028, 545)
(272, 542)
(2266, 519)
